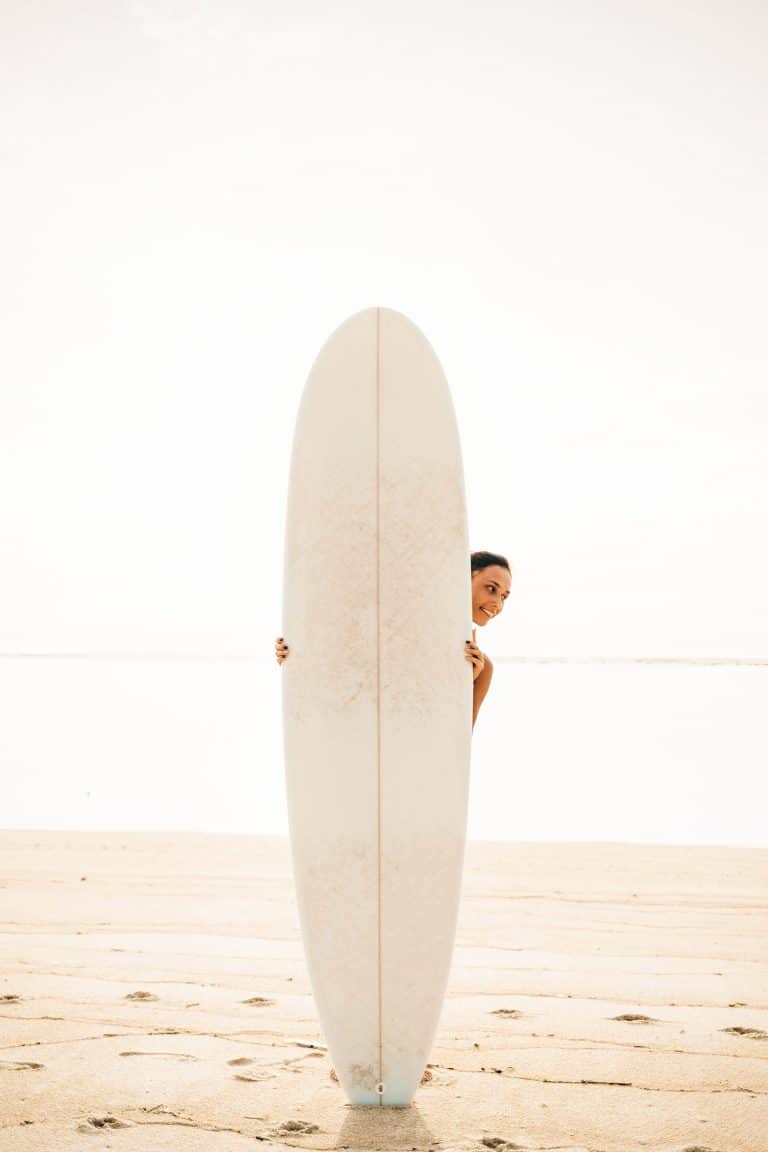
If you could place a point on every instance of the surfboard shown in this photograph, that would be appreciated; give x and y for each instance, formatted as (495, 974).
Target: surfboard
(377, 696)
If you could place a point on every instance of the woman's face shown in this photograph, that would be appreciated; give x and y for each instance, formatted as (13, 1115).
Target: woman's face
(490, 588)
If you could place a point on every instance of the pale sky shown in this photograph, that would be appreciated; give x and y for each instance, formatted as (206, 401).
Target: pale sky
(568, 198)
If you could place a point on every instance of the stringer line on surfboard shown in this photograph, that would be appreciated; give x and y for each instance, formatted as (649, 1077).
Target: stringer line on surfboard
(380, 1085)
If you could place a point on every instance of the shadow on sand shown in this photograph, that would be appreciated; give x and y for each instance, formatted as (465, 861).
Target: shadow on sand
(392, 1129)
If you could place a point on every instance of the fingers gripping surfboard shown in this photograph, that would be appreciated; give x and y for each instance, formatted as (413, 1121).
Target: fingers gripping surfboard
(377, 696)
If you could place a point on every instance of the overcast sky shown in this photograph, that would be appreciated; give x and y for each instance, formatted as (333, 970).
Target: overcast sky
(568, 198)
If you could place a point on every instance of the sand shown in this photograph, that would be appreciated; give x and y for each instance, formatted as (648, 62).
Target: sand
(153, 996)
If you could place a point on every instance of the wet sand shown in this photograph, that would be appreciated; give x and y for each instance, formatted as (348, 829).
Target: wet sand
(603, 997)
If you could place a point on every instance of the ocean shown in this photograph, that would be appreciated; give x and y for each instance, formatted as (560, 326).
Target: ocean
(562, 751)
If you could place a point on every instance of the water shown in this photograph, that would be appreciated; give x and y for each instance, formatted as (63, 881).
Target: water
(623, 752)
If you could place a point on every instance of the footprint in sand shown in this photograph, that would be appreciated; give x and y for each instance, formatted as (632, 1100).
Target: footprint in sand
(141, 996)
(510, 1013)
(753, 1033)
(261, 1001)
(10, 999)
(634, 1018)
(298, 1127)
(100, 1122)
(241, 1061)
(173, 1055)
(19, 1065)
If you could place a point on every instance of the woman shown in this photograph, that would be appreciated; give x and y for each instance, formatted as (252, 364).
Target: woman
(491, 583)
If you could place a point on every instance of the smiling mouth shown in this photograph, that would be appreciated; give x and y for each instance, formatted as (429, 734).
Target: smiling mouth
(491, 614)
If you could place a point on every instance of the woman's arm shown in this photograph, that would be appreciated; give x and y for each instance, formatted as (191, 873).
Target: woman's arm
(480, 686)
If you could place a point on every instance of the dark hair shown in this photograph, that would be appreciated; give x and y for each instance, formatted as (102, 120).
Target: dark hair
(480, 560)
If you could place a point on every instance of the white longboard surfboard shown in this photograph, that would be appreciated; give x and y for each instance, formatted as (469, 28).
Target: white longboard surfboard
(377, 696)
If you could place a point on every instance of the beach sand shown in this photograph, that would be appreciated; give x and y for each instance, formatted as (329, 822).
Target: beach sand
(153, 996)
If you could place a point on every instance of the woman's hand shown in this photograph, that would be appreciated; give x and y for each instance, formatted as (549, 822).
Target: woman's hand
(473, 653)
(281, 650)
